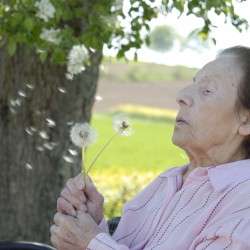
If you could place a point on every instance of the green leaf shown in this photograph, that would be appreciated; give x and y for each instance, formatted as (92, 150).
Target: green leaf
(29, 24)
(11, 46)
(58, 56)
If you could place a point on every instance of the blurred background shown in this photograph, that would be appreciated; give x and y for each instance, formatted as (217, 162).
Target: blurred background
(83, 61)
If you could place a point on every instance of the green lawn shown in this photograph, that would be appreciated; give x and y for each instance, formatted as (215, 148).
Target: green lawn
(149, 149)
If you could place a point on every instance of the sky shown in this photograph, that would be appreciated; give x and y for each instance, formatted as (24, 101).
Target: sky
(225, 34)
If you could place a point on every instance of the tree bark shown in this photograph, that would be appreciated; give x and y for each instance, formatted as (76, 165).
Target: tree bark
(37, 106)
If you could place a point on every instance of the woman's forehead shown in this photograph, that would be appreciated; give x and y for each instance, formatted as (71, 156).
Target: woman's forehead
(220, 69)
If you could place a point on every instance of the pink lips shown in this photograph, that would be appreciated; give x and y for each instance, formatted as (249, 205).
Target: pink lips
(180, 120)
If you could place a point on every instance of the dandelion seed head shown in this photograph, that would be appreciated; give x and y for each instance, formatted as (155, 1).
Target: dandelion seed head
(122, 125)
(83, 135)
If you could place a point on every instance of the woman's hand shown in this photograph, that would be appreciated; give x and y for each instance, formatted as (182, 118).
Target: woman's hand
(73, 232)
(80, 196)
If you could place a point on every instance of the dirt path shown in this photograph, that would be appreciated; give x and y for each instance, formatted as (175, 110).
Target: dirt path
(160, 95)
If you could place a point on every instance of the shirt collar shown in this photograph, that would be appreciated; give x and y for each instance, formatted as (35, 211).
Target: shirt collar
(175, 171)
(222, 176)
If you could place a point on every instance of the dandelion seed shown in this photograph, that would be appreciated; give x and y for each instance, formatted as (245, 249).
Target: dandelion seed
(29, 131)
(68, 159)
(18, 102)
(62, 90)
(48, 146)
(54, 144)
(70, 123)
(43, 134)
(12, 102)
(13, 111)
(28, 166)
(22, 93)
(122, 125)
(98, 98)
(83, 135)
(69, 76)
(73, 152)
(30, 86)
(33, 129)
(50, 122)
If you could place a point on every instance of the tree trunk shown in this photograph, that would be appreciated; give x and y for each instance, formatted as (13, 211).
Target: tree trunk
(37, 106)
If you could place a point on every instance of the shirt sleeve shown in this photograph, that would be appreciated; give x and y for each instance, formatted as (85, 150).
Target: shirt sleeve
(234, 235)
(104, 226)
(104, 241)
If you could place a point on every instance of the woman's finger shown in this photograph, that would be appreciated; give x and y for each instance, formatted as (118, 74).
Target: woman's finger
(66, 207)
(78, 180)
(76, 203)
(79, 194)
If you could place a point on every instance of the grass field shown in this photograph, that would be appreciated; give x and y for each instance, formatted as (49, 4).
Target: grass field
(122, 71)
(149, 149)
(130, 163)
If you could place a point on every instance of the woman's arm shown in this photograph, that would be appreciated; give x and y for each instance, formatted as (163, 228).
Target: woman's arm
(233, 235)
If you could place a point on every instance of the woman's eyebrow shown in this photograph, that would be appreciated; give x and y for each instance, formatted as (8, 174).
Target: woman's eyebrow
(204, 79)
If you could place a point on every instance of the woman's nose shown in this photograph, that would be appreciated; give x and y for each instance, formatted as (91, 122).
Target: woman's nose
(184, 97)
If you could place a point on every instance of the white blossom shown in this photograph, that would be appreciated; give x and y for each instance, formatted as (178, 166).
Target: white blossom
(45, 10)
(50, 35)
(83, 135)
(76, 59)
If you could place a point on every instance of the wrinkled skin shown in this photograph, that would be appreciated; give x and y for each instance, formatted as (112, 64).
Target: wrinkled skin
(80, 210)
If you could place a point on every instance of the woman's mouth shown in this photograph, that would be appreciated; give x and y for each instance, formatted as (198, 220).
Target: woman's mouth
(179, 120)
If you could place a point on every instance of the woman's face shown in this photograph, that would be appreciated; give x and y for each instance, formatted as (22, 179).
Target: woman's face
(207, 118)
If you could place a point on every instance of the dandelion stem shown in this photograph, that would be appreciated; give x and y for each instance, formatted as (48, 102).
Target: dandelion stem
(102, 149)
(83, 164)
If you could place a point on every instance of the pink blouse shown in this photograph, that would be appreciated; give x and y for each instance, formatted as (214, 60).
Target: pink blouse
(211, 210)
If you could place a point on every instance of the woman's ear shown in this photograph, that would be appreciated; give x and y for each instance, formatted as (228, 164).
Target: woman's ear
(244, 128)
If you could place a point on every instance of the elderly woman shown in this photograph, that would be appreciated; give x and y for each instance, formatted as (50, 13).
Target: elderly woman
(202, 205)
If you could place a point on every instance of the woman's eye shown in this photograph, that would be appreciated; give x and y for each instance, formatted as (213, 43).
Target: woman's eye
(207, 91)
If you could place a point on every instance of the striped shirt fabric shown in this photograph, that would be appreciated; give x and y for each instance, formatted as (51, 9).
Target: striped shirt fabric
(210, 210)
